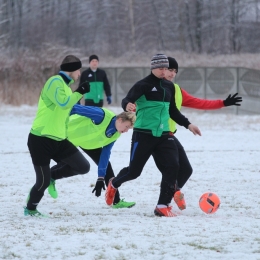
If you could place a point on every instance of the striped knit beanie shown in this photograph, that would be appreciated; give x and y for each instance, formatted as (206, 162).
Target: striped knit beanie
(159, 61)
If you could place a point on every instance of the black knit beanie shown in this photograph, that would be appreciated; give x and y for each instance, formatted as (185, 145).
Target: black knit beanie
(93, 57)
(173, 64)
(159, 61)
(70, 63)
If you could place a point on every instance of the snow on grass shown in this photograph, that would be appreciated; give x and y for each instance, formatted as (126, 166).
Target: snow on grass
(225, 160)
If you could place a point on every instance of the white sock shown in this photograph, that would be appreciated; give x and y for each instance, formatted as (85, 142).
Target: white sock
(160, 206)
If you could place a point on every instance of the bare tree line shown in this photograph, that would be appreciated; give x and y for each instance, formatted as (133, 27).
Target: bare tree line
(35, 35)
(115, 27)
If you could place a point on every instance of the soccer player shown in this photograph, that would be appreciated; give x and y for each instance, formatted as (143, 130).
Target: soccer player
(95, 131)
(47, 138)
(183, 98)
(155, 104)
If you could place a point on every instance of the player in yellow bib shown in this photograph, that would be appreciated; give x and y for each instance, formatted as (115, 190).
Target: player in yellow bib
(95, 131)
(47, 138)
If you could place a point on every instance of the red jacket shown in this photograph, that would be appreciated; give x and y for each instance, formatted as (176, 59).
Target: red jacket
(198, 103)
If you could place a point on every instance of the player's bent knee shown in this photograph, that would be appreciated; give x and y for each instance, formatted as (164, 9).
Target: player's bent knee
(85, 168)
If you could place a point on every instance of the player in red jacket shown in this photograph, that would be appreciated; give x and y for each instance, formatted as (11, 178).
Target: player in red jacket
(193, 102)
(187, 100)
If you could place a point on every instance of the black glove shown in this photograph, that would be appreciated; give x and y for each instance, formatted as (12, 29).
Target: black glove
(83, 88)
(232, 100)
(99, 185)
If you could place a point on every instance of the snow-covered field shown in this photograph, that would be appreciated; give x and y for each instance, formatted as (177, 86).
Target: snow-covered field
(225, 159)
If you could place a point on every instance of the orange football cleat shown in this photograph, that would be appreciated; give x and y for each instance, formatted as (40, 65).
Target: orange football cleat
(110, 193)
(164, 212)
(179, 200)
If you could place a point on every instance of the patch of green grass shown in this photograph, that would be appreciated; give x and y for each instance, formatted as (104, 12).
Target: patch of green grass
(117, 247)
(81, 253)
(100, 256)
(200, 247)
(134, 246)
(105, 230)
(85, 230)
(257, 239)
(121, 257)
(238, 239)
(11, 255)
(83, 214)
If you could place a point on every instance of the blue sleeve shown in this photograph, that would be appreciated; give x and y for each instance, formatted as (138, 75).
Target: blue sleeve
(104, 159)
(96, 114)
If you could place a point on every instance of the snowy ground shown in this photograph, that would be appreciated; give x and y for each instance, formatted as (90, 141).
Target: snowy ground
(225, 160)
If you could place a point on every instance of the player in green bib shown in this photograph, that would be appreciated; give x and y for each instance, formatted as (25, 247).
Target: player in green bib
(95, 131)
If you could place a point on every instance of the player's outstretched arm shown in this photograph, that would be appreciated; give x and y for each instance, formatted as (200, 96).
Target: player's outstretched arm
(207, 104)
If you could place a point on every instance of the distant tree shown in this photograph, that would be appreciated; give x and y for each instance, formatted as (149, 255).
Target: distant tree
(117, 27)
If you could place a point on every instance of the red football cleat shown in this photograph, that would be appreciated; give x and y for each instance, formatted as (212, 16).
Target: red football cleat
(164, 212)
(110, 193)
(179, 200)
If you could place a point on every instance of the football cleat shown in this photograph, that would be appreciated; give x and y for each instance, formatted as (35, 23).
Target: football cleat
(33, 213)
(110, 193)
(164, 212)
(179, 200)
(123, 204)
(52, 189)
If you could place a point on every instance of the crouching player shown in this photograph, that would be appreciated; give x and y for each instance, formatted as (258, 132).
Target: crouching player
(95, 131)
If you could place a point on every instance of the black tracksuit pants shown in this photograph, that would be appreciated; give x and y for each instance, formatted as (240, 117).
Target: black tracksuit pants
(60, 168)
(166, 156)
(42, 150)
(185, 169)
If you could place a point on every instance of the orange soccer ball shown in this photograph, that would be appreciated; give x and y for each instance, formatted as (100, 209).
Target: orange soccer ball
(209, 202)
